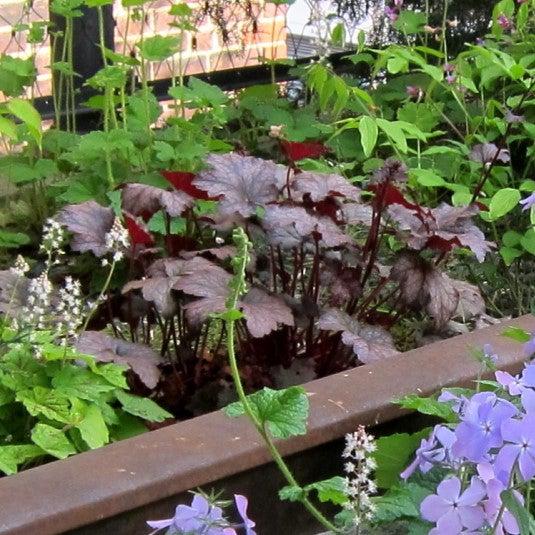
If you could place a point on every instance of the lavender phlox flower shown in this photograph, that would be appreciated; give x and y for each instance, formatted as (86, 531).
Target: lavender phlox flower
(480, 428)
(456, 402)
(493, 504)
(526, 204)
(513, 383)
(199, 517)
(528, 400)
(241, 505)
(529, 347)
(489, 354)
(432, 451)
(519, 437)
(453, 509)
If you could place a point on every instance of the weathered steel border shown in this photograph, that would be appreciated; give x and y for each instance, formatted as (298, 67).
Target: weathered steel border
(128, 475)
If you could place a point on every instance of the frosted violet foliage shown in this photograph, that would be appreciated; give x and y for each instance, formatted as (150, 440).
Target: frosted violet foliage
(488, 451)
(205, 518)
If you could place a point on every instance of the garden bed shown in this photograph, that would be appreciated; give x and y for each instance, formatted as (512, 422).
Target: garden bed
(116, 488)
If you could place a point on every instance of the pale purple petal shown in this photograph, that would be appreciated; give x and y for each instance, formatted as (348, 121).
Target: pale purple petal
(473, 494)
(434, 507)
(160, 524)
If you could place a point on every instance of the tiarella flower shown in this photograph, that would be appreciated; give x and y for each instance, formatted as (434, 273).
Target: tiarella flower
(527, 203)
(117, 240)
(241, 505)
(358, 484)
(37, 307)
(70, 307)
(453, 509)
(20, 267)
(432, 451)
(504, 23)
(519, 436)
(53, 240)
(480, 427)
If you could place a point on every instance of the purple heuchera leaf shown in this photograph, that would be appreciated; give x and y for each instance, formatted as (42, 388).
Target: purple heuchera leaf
(242, 183)
(392, 170)
(454, 510)
(89, 222)
(13, 291)
(290, 226)
(140, 358)
(369, 342)
(140, 199)
(322, 185)
(486, 153)
(442, 228)
(263, 312)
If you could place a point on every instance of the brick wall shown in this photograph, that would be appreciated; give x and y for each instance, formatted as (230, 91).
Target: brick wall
(262, 34)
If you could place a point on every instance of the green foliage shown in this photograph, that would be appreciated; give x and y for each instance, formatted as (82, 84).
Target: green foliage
(283, 412)
(429, 406)
(56, 402)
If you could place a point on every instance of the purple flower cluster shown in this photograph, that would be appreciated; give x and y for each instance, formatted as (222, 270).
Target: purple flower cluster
(205, 518)
(490, 450)
(392, 12)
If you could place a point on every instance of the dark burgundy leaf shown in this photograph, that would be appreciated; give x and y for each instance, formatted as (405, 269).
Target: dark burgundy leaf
(263, 312)
(295, 150)
(139, 199)
(369, 342)
(341, 281)
(89, 222)
(322, 185)
(486, 153)
(183, 181)
(410, 271)
(137, 230)
(140, 358)
(242, 183)
(387, 194)
(221, 253)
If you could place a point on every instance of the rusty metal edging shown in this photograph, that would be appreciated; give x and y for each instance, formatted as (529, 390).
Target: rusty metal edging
(99, 484)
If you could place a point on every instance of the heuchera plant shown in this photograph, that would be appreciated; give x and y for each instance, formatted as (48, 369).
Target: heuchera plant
(317, 292)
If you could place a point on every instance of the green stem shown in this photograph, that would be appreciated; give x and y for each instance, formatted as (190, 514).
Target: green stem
(99, 298)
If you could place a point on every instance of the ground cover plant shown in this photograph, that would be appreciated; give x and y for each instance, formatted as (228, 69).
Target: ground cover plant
(364, 198)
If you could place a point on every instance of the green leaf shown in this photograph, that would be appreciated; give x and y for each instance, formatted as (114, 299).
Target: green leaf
(400, 502)
(157, 223)
(284, 412)
(159, 47)
(44, 401)
(503, 201)
(143, 407)
(80, 382)
(9, 239)
(510, 254)
(511, 238)
(291, 494)
(330, 490)
(528, 241)
(410, 21)
(517, 334)
(8, 128)
(428, 178)
(393, 454)
(525, 521)
(428, 406)
(24, 110)
(53, 441)
(93, 428)
(368, 134)
(13, 456)
(394, 131)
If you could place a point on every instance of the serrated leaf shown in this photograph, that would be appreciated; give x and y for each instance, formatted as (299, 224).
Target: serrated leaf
(13, 456)
(428, 406)
(10, 239)
(368, 134)
(93, 428)
(284, 412)
(24, 110)
(79, 382)
(53, 441)
(159, 47)
(330, 490)
(46, 402)
(143, 407)
(400, 502)
(291, 494)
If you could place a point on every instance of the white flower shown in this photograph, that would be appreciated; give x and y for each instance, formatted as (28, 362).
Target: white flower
(38, 302)
(20, 267)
